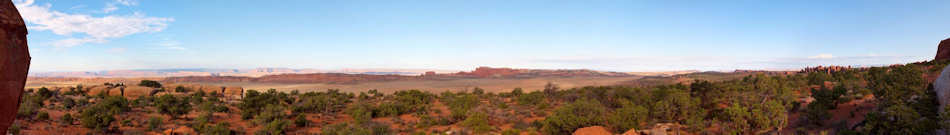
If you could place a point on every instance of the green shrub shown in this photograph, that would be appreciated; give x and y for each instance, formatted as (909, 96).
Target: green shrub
(322, 102)
(181, 89)
(43, 115)
(360, 112)
(98, 118)
(30, 104)
(14, 129)
(478, 91)
(203, 121)
(172, 106)
(477, 122)
(738, 116)
(218, 129)
(212, 106)
(67, 119)
(533, 98)
(69, 103)
(301, 121)
(368, 128)
(566, 119)
(460, 105)
(269, 114)
(154, 123)
(254, 102)
(276, 127)
(127, 122)
(115, 104)
(511, 132)
(150, 83)
(629, 117)
(44, 93)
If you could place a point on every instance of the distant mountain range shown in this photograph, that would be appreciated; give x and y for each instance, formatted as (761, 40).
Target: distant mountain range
(260, 72)
(256, 72)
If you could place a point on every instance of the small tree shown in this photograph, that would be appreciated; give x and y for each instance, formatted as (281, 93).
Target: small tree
(181, 89)
(570, 117)
(67, 119)
(630, 116)
(43, 115)
(477, 122)
(276, 127)
(98, 118)
(150, 83)
(301, 121)
(172, 106)
(738, 118)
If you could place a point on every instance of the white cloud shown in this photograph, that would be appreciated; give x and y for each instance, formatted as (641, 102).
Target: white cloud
(90, 29)
(822, 56)
(113, 6)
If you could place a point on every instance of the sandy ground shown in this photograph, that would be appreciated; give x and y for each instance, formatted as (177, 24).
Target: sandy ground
(490, 85)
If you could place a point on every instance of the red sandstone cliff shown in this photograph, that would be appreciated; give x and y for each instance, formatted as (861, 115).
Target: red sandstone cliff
(943, 50)
(14, 62)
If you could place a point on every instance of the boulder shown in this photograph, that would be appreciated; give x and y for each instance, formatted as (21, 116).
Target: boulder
(632, 131)
(181, 130)
(136, 91)
(595, 130)
(14, 62)
(233, 92)
(943, 50)
(942, 87)
(95, 90)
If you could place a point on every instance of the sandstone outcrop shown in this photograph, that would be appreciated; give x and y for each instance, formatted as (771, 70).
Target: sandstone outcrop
(595, 130)
(233, 92)
(943, 50)
(631, 132)
(14, 62)
(134, 91)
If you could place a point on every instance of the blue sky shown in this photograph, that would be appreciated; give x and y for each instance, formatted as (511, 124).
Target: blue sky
(615, 35)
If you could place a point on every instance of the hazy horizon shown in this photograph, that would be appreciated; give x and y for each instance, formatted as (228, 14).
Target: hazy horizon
(623, 36)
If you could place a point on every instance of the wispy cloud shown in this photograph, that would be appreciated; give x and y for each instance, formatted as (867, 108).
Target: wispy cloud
(88, 28)
(114, 5)
(822, 56)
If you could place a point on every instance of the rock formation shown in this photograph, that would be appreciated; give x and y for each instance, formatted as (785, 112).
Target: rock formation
(943, 50)
(595, 130)
(942, 87)
(14, 62)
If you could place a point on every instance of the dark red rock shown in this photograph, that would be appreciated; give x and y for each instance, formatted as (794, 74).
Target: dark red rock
(943, 50)
(14, 62)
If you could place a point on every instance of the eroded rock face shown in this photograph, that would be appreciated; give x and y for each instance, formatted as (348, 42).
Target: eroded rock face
(942, 87)
(943, 50)
(14, 62)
